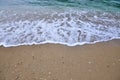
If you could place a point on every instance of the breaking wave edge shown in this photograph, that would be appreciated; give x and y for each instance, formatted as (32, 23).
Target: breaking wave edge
(52, 42)
(69, 28)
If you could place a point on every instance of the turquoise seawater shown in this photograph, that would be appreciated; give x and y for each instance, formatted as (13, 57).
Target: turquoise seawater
(108, 5)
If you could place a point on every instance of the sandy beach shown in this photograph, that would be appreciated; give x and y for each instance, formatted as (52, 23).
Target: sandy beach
(100, 61)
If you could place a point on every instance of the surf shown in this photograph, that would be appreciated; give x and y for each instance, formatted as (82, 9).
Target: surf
(68, 22)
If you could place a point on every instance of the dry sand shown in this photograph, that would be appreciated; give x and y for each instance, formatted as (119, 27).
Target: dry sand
(100, 61)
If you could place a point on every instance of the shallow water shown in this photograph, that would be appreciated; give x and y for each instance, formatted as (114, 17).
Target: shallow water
(69, 22)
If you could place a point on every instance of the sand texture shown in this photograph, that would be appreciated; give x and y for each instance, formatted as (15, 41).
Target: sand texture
(100, 61)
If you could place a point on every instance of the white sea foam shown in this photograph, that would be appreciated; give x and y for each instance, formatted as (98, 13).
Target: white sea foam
(70, 27)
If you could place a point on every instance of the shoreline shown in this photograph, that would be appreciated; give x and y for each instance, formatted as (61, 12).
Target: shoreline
(60, 43)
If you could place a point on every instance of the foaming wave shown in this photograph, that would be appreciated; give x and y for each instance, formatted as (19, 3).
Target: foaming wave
(70, 28)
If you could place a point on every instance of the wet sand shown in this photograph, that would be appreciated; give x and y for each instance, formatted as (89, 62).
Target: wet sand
(100, 61)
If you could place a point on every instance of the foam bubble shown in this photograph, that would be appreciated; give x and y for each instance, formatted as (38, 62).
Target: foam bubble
(70, 28)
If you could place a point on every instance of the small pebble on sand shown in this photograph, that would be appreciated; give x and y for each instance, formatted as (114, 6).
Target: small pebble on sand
(13, 71)
(41, 78)
(89, 62)
(15, 66)
(113, 64)
(119, 60)
(71, 79)
(89, 70)
(49, 72)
